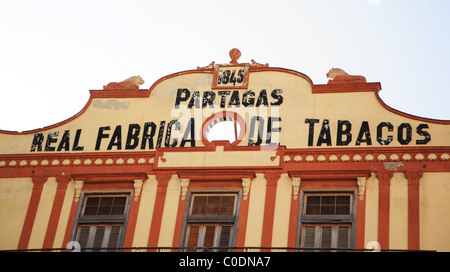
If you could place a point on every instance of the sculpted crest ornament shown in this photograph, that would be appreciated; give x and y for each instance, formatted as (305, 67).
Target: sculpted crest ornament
(339, 76)
(130, 83)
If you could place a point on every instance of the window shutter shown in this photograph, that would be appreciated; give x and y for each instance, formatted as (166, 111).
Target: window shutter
(326, 237)
(83, 236)
(225, 236)
(343, 237)
(193, 236)
(114, 236)
(209, 236)
(98, 238)
(309, 240)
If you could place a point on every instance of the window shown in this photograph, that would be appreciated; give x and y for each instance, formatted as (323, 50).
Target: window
(101, 222)
(211, 222)
(327, 220)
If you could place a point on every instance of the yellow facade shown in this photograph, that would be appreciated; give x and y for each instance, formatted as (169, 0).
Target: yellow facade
(296, 141)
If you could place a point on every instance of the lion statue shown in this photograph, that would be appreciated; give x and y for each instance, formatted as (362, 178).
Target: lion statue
(338, 75)
(130, 83)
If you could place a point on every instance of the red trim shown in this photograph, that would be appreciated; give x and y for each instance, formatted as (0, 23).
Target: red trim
(269, 207)
(132, 218)
(384, 178)
(360, 222)
(413, 209)
(179, 223)
(330, 180)
(244, 85)
(293, 222)
(62, 182)
(230, 114)
(155, 228)
(71, 222)
(38, 184)
(243, 220)
(215, 180)
(349, 87)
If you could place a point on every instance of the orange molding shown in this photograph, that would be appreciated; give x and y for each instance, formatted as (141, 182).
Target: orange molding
(62, 182)
(384, 179)
(413, 209)
(38, 184)
(269, 207)
(155, 228)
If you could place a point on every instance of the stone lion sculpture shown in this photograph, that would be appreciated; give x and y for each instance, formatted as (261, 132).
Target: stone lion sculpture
(130, 83)
(338, 75)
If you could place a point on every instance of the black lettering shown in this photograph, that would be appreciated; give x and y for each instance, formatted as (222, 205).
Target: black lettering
(181, 98)
(160, 133)
(275, 94)
(389, 138)
(65, 142)
(50, 140)
(271, 129)
(223, 95)
(248, 101)
(133, 136)
(233, 77)
(101, 136)
(76, 147)
(208, 99)
(344, 132)
(404, 139)
(325, 135)
(195, 100)
(425, 134)
(226, 76)
(262, 98)
(148, 136)
(311, 123)
(116, 139)
(234, 100)
(364, 132)
(190, 130)
(252, 130)
(169, 133)
(37, 142)
(240, 76)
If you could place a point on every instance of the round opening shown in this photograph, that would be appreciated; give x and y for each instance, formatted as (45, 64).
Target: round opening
(224, 131)
(223, 126)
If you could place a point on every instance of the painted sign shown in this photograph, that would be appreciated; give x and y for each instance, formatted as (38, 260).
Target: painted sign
(268, 107)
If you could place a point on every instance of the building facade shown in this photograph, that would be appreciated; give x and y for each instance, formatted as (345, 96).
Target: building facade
(306, 166)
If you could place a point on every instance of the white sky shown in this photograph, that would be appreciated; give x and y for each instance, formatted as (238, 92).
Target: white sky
(53, 52)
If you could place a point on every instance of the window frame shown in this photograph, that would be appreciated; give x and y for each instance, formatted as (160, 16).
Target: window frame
(205, 220)
(102, 220)
(327, 219)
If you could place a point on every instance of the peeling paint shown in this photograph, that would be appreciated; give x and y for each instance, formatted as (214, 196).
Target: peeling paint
(111, 104)
(392, 165)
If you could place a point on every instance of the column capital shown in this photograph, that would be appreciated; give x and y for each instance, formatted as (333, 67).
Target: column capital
(63, 181)
(384, 177)
(163, 179)
(38, 182)
(413, 177)
(272, 178)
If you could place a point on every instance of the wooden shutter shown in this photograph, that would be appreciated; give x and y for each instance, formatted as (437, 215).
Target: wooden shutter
(209, 236)
(114, 236)
(309, 236)
(98, 237)
(326, 237)
(83, 236)
(193, 237)
(343, 237)
(225, 234)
